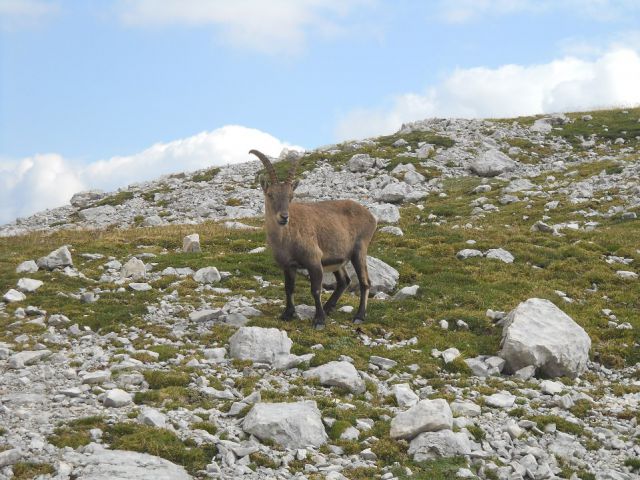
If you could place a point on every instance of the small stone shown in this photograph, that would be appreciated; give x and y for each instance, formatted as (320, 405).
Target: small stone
(465, 408)
(468, 253)
(97, 377)
(406, 292)
(405, 397)
(134, 269)
(117, 398)
(13, 296)
(500, 400)
(152, 417)
(424, 416)
(550, 387)
(350, 433)
(191, 243)
(525, 373)
(27, 267)
(382, 362)
(207, 275)
(627, 275)
(140, 287)
(499, 254)
(56, 259)
(450, 354)
(338, 374)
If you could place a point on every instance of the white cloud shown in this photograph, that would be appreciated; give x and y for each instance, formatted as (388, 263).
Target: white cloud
(24, 13)
(464, 11)
(46, 181)
(567, 84)
(274, 26)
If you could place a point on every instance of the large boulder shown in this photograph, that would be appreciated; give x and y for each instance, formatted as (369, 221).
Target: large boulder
(424, 416)
(338, 374)
(102, 464)
(444, 443)
(84, 199)
(385, 212)
(259, 344)
(360, 162)
(58, 258)
(292, 425)
(491, 163)
(395, 192)
(383, 277)
(538, 333)
(103, 214)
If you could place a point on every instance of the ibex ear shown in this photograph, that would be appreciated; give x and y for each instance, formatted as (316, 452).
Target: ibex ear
(295, 184)
(264, 182)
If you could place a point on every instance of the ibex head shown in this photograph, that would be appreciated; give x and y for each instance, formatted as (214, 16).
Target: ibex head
(277, 194)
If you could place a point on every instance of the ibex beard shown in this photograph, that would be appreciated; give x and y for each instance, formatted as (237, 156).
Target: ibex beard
(320, 237)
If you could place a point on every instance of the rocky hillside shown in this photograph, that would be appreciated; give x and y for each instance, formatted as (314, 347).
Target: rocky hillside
(140, 336)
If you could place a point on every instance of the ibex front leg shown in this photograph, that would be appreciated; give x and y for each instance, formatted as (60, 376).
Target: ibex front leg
(315, 274)
(289, 287)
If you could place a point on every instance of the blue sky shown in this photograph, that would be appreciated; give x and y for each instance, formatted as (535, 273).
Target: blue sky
(87, 86)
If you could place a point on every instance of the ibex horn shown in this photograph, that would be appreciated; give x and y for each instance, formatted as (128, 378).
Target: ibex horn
(267, 165)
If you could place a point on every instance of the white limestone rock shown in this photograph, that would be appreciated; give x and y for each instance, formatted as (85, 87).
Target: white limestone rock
(405, 396)
(538, 333)
(440, 444)
(21, 359)
(292, 425)
(424, 416)
(491, 163)
(117, 398)
(393, 230)
(28, 266)
(465, 408)
(29, 285)
(385, 212)
(84, 199)
(134, 269)
(103, 464)
(152, 417)
(207, 275)
(338, 374)
(406, 292)
(499, 254)
(500, 400)
(361, 162)
(56, 259)
(259, 344)
(395, 192)
(13, 296)
(468, 253)
(191, 243)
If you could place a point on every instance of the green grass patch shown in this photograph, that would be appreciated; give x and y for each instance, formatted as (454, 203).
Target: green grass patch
(29, 470)
(160, 442)
(163, 378)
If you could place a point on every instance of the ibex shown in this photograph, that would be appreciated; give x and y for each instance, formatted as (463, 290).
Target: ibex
(321, 237)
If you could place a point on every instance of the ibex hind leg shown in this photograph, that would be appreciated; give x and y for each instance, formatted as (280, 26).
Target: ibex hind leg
(342, 282)
(315, 275)
(359, 261)
(289, 287)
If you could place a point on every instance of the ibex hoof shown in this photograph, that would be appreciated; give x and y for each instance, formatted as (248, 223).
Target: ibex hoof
(358, 321)
(287, 315)
(318, 326)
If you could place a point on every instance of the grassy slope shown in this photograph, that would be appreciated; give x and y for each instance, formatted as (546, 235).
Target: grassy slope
(449, 288)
